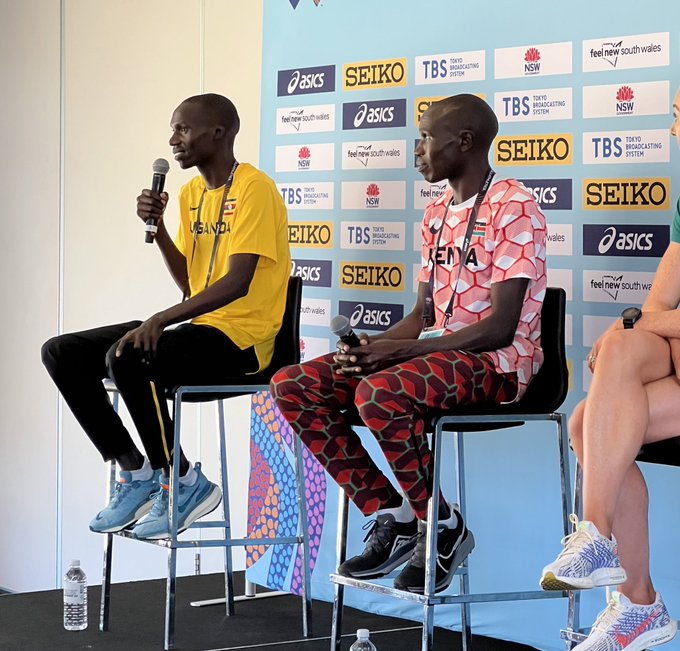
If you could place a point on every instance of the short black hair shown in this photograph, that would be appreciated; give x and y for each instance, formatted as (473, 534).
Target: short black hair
(219, 109)
(471, 113)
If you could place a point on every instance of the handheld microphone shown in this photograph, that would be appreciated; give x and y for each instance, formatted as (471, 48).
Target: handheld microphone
(160, 168)
(342, 329)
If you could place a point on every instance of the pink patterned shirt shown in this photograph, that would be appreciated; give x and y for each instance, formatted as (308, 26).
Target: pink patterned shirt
(508, 241)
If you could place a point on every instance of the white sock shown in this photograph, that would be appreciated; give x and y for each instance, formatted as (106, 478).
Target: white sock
(403, 513)
(190, 477)
(144, 473)
(452, 521)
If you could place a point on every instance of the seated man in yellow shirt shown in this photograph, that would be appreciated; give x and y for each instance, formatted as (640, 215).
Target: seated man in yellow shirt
(231, 260)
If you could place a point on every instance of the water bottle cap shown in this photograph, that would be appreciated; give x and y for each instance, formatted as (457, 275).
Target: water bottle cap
(75, 562)
(363, 633)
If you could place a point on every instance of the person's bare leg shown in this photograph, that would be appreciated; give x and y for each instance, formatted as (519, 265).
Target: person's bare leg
(616, 417)
(630, 516)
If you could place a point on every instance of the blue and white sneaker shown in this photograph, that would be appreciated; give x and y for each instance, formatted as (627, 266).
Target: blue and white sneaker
(588, 560)
(624, 625)
(132, 500)
(194, 502)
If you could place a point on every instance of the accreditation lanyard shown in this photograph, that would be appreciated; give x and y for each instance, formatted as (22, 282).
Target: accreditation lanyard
(218, 226)
(428, 313)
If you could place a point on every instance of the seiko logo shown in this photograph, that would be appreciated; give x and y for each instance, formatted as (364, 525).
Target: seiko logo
(376, 74)
(534, 150)
(631, 194)
(372, 275)
(310, 234)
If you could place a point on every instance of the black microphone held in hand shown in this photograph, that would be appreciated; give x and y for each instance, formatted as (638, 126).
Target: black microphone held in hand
(342, 329)
(160, 168)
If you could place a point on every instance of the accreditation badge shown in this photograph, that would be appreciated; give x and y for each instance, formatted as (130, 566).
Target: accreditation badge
(431, 334)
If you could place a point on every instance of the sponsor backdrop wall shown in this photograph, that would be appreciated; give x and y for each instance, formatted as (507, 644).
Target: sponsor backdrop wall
(584, 109)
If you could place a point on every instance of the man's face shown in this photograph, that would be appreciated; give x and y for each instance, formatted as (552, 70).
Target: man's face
(438, 154)
(192, 139)
(675, 127)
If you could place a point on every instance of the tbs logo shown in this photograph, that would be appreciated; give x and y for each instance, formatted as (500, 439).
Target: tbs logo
(303, 81)
(304, 158)
(606, 147)
(532, 59)
(624, 101)
(373, 115)
(514, 106)
(372, 195)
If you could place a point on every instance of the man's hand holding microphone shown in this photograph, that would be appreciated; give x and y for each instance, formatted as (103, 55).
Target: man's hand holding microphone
(347, 339)
(151, 203)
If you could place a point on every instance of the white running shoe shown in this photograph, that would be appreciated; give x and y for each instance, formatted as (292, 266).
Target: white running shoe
(588, 560)
(625, 625)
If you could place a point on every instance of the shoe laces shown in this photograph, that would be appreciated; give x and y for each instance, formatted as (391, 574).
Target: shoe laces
(574, 542)
(160, 504)
(606, 619)
(120, 490)
(380, 534)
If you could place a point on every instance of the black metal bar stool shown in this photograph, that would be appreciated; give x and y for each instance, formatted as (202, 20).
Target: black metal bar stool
(544, 396)
(286, 351)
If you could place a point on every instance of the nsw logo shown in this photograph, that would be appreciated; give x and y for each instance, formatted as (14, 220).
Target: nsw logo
(371, 316)
(532, 61)
(304, 81)
(636, 240)
(374, 115)
(372, 195)
(625, 104)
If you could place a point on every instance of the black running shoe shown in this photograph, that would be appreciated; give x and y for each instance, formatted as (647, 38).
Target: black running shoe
(388, 544)
(453, 547)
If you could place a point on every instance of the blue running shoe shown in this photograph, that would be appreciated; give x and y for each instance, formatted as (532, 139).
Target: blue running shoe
(194, 502)
(588, 560)
(131, 501)
(624, 625)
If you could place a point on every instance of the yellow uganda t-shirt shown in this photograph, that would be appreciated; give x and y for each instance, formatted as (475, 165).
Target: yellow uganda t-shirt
(254, 221)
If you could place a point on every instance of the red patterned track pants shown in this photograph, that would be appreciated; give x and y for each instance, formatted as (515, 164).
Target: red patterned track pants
(312, 397)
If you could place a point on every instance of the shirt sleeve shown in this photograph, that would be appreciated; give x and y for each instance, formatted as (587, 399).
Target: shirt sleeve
(675, 226)
(519, 240)
(183, 236)
(254, 224)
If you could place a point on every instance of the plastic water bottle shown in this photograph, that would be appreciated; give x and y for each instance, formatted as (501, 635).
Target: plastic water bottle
(363, 643)
(75, 598)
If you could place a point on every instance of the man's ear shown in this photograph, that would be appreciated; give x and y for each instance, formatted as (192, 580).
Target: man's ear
(219, 132)
(467, 139)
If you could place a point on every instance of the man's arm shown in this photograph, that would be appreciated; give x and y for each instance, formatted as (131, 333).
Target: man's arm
(152, 205)
(234, 285)
(490, 333)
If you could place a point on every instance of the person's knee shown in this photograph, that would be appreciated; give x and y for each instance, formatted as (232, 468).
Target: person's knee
(115, 365)
(283, 384)
(55, 352)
